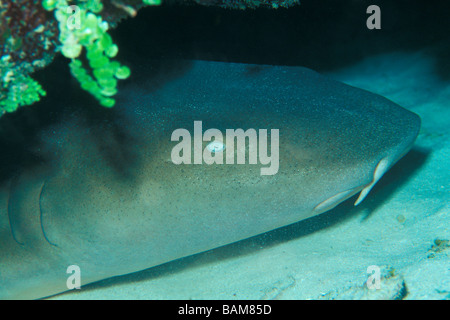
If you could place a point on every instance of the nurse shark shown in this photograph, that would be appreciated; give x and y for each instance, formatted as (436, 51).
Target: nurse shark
(116, 204)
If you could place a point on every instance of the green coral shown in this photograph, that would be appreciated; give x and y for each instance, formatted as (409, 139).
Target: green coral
(16, 89)
(152, 2)
(81, 27)
(28, 39)
(25, 45)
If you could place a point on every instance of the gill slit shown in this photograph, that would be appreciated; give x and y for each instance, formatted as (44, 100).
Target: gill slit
(8, 209)
(40, 214)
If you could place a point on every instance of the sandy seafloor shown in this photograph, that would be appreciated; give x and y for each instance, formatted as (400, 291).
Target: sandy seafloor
(327, 257)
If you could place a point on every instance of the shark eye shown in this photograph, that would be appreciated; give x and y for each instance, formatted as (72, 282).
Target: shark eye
(216, 146)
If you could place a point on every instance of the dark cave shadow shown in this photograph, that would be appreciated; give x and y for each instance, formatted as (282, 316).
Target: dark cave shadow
(321, 35)
(385, 189)
(20, 132)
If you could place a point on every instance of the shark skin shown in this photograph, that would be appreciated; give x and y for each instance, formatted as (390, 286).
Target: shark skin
(112, 201)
